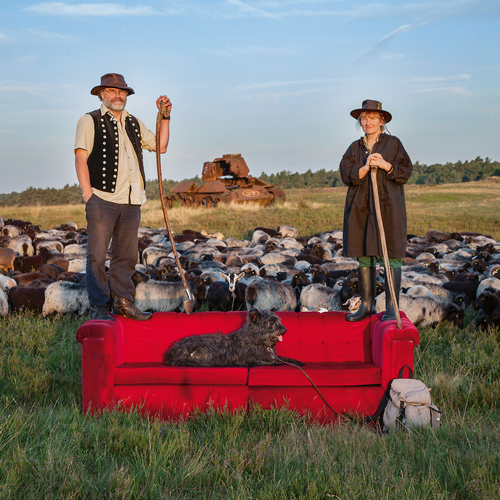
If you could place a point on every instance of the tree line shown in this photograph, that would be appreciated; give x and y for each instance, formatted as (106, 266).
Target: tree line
(448, 173)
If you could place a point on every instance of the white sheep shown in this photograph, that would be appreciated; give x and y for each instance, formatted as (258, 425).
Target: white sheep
(291, 243)
(54, 245)
(4, 305)
(163, 296)
(65, 297)
(77, 265)
(492, 284)
(260, 236)
(24, 247)
(316, 296)
(6, 283)
(270, 295)
(12, 231)
(275, 258)
(424, 311)
(287, 231)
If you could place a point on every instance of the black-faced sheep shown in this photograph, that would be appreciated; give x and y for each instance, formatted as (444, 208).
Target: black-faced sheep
(227, 295)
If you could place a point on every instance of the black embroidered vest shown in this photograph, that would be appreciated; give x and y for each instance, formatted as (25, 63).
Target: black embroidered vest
(103, 161)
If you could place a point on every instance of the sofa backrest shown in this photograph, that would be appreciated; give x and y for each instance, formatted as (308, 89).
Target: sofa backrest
(310, 336)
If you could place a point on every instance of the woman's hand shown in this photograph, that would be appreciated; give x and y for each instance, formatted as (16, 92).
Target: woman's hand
(376, 160)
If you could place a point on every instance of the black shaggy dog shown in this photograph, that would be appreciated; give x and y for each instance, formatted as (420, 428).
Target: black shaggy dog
(251, 345)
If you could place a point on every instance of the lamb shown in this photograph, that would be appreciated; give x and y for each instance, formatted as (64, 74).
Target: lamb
(425, 311)
(65, 297)
(270, 295)
(316, 296)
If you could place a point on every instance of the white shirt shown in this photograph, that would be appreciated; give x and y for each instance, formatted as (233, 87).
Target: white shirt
(129, 184)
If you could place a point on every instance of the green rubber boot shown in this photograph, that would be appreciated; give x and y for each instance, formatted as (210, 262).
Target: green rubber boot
(367, 280)
(390, 313)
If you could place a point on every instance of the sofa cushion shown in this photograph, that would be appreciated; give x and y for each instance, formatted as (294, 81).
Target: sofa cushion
(350, 373)
(158, 373)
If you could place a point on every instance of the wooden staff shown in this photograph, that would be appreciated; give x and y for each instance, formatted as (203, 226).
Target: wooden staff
(163, 114)
(388, 274)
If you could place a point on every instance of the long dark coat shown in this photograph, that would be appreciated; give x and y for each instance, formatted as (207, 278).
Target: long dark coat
(361, 235)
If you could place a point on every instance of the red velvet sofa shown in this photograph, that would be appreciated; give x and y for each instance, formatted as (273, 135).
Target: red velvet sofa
(351, 363)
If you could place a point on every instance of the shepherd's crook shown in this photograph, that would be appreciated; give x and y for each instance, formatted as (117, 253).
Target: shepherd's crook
(380, 224)
(188, 304)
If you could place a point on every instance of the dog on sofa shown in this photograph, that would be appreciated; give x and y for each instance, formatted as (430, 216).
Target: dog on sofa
(251, 345)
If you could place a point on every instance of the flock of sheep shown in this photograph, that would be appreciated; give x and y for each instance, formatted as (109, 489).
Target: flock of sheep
(277, 270)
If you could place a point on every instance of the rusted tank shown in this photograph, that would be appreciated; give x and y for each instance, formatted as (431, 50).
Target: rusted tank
(225, 180)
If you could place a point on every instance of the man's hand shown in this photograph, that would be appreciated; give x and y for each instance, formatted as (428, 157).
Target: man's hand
(166, 100)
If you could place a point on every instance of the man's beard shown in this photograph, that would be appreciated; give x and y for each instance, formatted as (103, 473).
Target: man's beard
(115, 105)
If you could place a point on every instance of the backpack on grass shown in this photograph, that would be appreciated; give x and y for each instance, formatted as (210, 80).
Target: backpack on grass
(408, 404)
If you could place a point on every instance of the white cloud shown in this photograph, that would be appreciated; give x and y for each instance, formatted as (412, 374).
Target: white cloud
(90, 9)
(453, 90)
(50, 36)
(281, 84)
(4, 38)
(252, 50)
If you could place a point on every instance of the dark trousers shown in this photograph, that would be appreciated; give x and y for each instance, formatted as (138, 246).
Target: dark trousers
(110, 222)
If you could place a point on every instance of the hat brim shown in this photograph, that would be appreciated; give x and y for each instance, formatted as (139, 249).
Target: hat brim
(387, 116)
(99, 88)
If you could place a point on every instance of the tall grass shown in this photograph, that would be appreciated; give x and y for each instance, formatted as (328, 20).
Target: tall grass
(48, 449)
(471, 206)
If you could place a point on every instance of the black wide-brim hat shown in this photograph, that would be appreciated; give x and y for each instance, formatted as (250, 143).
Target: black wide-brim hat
(114, 81)
(370, 105)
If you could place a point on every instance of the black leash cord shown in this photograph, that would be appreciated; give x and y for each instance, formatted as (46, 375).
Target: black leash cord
(343, 416)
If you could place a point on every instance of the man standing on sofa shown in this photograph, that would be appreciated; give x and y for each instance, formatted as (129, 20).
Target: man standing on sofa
(110, 170)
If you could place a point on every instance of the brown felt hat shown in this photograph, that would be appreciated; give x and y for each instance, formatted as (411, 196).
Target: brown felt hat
(370, 105)
(114, 81)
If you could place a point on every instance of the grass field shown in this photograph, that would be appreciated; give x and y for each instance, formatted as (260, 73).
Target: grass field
(49, 450)
(472, 206)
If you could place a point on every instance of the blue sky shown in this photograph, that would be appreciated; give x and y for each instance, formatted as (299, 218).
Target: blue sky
(272, 80)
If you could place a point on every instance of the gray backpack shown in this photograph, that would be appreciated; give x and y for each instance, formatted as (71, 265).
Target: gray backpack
(408, 404)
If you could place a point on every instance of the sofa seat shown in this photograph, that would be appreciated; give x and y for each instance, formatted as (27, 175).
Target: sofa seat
(158, 373)
(350, 373)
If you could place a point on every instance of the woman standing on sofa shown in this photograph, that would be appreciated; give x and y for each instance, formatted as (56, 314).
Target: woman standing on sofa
(384, 153)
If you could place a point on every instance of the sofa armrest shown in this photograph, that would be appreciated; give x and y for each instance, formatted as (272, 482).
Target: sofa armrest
(98, 363)
(393, 348)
